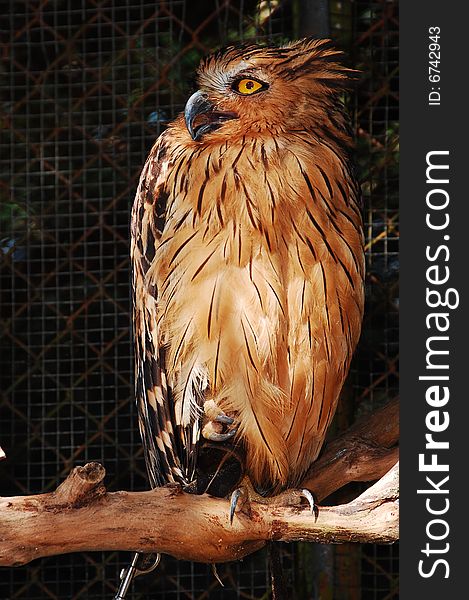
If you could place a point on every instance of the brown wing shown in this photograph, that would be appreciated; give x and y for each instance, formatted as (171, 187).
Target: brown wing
(170, 448)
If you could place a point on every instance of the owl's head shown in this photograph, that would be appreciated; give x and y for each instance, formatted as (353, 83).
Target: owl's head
(252, 89)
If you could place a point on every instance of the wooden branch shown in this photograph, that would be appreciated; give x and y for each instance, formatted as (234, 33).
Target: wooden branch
(81, 516)
(363, 453)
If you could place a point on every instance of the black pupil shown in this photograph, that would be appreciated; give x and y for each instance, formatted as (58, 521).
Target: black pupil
(249, 85)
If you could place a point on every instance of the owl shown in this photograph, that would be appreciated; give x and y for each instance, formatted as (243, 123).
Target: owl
(248, 267)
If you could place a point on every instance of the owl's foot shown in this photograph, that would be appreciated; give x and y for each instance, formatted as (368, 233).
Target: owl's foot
(214, 429)
(246, 493)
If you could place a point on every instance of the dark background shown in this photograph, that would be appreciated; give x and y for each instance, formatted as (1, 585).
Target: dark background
(87, 86)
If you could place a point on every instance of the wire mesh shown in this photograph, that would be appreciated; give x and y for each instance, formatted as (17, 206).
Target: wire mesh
(369, 31)
(87, 87)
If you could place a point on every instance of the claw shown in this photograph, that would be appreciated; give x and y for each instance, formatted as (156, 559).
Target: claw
(310, 498)
(216, 421)
(234, 503)
(213, 436)
(247, 493)
(225, 419)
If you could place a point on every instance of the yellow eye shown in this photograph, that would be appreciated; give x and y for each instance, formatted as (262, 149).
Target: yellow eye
(248, 86)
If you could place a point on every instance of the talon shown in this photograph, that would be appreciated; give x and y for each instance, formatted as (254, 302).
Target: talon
(310, 498)
(248, 494)
(225, 419)
(234, 503)
(213, 429)
(213, 436)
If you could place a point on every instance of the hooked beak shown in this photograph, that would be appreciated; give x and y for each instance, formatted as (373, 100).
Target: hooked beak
(201, 117)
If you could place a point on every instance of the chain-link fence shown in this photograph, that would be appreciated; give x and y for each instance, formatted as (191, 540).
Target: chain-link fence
(87, 86)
